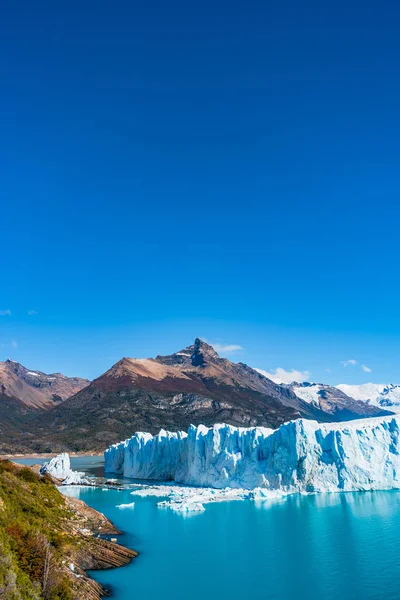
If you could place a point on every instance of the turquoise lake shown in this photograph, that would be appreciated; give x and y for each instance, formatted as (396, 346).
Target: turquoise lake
(328, 546)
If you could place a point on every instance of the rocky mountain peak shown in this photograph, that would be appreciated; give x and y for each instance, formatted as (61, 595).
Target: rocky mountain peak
(12, 364)
(201, 352)
(197, 354)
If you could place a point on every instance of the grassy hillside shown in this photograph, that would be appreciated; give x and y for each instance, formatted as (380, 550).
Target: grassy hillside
(47, 540)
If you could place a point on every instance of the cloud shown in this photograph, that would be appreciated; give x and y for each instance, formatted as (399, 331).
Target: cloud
(5, 313)
(14, 344)
(282, 376)
(351, 361)
(366, 369)
(226, 349)
(33, 312)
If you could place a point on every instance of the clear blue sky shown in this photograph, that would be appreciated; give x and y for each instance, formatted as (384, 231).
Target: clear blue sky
(220, 169)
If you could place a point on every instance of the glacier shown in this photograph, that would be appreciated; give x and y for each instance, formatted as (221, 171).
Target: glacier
(300, 456)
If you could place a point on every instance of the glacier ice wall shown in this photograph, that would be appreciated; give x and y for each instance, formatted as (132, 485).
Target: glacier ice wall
(60, 468)
(301, 455)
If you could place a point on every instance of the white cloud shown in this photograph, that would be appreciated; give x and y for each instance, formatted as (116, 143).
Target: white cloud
(5, 313)
(33, 312)
(226, 349)
(366, 369)
(351, 361)
(14, 344)
(282, 376)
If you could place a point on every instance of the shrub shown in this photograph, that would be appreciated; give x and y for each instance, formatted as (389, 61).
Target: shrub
(28, 475)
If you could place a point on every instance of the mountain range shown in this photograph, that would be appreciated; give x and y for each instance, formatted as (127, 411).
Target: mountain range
(36, 389)
(377, 394)
(193, 386)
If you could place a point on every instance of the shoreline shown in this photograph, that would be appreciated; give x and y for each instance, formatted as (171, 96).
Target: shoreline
(48, 455)
(87, 539)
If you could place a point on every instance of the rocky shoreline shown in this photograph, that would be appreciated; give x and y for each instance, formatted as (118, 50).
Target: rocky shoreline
(93, 553)
(56, 530)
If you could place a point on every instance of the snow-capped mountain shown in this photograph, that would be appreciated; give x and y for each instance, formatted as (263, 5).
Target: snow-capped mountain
(386, 396)
(332, 400)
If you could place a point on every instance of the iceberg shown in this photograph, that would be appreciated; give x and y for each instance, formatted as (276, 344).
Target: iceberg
(300, 456)
(59, 467)
(130, 505)
(185, 507)
(185, 499)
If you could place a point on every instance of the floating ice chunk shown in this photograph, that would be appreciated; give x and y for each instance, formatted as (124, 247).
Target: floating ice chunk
(179, 497)
(130, 505)
(183, 507)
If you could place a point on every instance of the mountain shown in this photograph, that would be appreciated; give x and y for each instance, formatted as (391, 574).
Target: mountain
(192, 386)
(386, 396)
(333, 401)
(25, 394)
(35, 389)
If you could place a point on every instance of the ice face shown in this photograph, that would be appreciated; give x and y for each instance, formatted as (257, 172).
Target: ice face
(60, 468)
(300, 456)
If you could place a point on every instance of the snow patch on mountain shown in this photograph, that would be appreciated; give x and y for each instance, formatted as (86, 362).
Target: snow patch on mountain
(309, 392)
(365, 391)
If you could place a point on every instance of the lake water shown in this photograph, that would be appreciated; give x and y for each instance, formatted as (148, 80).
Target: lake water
(328, 546)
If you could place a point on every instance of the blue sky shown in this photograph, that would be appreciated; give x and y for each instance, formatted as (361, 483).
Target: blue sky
(225, 170)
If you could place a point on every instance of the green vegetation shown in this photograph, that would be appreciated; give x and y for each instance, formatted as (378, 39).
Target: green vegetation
(33, 537)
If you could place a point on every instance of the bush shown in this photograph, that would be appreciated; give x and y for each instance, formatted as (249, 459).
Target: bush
(28, 475)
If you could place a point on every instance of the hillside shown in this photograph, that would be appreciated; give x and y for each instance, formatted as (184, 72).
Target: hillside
(47, 540)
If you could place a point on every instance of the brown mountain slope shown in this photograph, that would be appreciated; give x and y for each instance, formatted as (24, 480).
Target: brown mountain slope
(36, 389)
(24, 395)
(13, 415)
(194, 386)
